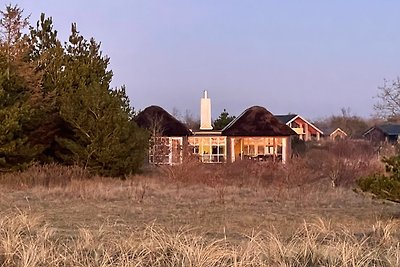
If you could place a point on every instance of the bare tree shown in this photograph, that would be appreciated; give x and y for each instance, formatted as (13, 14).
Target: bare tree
(352, 124)
(190, 121)
(156, 126)
(388, 106)
(176, 113)
(159, 145)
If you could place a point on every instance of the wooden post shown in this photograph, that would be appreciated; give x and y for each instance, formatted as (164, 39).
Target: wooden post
(275, 149)
(307, 137)
(241, 148)
(232, 150)
(285, 149)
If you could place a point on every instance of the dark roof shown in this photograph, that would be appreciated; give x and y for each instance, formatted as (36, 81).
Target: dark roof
(257, 121)
(155, 117)
(289, 117)
(328, 130)
(390, 129)
(286, 118)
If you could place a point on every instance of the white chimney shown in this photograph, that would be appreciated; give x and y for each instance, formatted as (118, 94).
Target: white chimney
(205, 112)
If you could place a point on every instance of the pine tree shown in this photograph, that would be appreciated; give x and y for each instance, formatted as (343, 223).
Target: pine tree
(223, 120)
(19, 86)
(56, 104)
(48, 54)
(101, 135)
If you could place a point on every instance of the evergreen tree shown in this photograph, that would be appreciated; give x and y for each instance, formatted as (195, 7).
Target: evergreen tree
(103, 139)
(100, 134)
(56, 104)
(48, 54)
(19, 86)
(223, 120)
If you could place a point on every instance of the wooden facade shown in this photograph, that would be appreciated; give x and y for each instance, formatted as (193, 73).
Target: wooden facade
(389, 133)
(337, 134)
(304, 129)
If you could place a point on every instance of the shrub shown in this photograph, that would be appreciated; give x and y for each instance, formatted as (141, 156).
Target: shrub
(385, 185)
(344, 161)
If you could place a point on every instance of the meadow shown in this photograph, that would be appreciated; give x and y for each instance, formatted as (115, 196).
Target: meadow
(243, 214)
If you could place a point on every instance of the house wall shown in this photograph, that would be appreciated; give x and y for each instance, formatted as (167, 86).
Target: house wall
(219, 149)
(305, 131)
(375, 135)
(337, 135)
(166, 150)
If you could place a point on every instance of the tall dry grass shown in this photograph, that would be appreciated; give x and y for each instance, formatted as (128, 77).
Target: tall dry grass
(329, 167)
(338, 162)
(25, 240)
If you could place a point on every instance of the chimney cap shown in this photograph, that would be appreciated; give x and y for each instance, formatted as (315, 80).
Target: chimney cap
(205, 94)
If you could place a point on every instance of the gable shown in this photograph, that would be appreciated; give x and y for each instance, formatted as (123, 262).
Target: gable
(338, 131)
(312, 128)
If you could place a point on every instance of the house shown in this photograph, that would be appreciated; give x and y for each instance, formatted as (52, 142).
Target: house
(168, 135)
(304, 129)
(337, 134)
(383, 133)
(254, 135)
(257, 134)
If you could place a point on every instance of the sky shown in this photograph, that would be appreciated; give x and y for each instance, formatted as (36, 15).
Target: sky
(311, 57)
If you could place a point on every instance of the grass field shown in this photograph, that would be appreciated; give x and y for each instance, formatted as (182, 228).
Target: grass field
(150, 220)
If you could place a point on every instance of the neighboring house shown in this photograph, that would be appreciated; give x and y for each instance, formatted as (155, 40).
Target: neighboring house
(383, 133)
(304, 129)
(336, 134)
(168, 135)
(256, 134)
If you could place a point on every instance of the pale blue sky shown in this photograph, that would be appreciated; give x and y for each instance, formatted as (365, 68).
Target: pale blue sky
(305, 57)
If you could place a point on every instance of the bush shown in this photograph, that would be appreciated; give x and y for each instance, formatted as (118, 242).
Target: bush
(343, 161)
(386, 185)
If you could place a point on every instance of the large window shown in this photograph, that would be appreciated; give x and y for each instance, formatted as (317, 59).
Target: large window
(259, 148)
(209, 149)
(165, 150)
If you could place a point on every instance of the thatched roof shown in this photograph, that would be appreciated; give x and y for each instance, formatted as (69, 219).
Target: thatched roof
(257, 121)
(157, 119)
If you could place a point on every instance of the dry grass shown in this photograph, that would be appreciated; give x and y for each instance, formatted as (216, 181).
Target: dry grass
(243, 214)
(26, 241)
